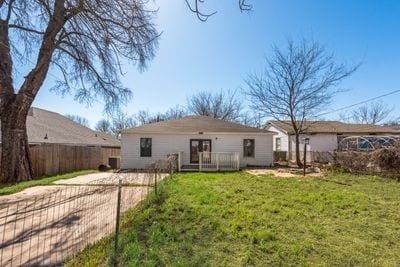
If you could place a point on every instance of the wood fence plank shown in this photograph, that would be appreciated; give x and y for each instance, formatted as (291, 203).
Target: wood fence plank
(53, 159)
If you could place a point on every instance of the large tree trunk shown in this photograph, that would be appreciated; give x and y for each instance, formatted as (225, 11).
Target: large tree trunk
(298, 159)
(15, 158)
(15, 161)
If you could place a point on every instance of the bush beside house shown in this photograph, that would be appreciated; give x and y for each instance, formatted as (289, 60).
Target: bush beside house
(382, 161)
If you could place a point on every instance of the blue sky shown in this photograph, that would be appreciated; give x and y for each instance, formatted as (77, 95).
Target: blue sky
(221, 52)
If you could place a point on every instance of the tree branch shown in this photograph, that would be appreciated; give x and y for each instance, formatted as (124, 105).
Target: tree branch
(18, 27)
(195, 8)
(200, 15)
(244, 6)
(9, 12)
(73, 11)
(35, 78)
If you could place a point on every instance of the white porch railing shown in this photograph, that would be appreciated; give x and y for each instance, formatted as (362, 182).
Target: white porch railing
(211, 161)
(218, 161)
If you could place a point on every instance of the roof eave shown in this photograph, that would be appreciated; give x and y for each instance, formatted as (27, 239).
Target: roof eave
(275, 125)
(198, 133)
(352, 133)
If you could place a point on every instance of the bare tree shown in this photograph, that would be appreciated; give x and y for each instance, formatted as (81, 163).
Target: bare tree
(121, 121)
(393, 122)
(144, 117)
(220, 105)
(117, 122)
(173, 113)
(252, 119)
(373, 113)
(296, 85)
(84, 40)
(103, 126)
(78, 119)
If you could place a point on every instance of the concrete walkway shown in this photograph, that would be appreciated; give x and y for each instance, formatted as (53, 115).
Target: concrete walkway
(46, 225)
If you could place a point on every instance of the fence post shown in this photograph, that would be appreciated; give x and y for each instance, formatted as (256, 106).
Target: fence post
(179, 161)
(237, 161)
(200, 160)
(217, 161)
(115, 261)
(155, 181)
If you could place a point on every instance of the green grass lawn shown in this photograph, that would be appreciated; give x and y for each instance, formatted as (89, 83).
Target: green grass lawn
(237, 219)
(14, 188)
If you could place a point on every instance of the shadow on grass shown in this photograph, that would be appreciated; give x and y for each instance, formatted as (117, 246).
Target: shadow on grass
(138, 218)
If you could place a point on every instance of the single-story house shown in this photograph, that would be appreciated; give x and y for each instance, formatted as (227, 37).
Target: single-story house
(324, 136)
(201, 143)
(58, 144)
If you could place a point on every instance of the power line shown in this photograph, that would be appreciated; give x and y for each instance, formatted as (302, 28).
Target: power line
(362, 102)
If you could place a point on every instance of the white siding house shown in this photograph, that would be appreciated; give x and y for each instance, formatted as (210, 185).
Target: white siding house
(191, 136)
(318, 142)
(281, 139)
(324, 136)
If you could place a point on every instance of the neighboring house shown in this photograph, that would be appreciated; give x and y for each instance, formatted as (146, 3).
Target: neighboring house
(201, 143)
(47, 127)
(58, 144)
(324, 135)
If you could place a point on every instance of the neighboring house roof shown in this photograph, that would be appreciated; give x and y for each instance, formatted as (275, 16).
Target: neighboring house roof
(314, 127)
(49, 127)
(394, 127)
(195, 124)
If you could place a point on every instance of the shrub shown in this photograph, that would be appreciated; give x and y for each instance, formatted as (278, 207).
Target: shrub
(387, 159)
(383, 161)
(352, 161)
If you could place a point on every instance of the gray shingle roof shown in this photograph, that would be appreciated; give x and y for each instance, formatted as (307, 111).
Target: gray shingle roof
(61, 130)
(195, 124)
(336, 127)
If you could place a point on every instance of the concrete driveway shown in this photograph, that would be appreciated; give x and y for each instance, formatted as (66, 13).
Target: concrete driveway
(46, 225)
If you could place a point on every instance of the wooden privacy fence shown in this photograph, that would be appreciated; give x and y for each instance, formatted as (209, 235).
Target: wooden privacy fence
(53, 159)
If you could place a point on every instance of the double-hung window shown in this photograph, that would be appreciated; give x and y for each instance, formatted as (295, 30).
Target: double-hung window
(248, 148)
(145, 147)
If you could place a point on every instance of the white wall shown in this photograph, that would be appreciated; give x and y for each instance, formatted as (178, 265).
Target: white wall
(164, 144)
(318, 142)
(279, 134)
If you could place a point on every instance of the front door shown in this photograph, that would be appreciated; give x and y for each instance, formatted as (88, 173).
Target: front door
(198, 145)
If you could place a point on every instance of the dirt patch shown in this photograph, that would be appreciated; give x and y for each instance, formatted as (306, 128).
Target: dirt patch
(45, 225)
(284, 172)
(87, 178)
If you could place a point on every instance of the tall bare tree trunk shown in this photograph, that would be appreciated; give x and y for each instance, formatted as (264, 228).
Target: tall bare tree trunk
(298, 159)
(76, 30)
(15, 163)
(15, 157)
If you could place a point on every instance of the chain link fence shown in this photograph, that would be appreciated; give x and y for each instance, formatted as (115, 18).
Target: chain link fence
(48, 225)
